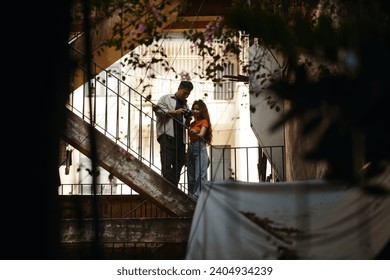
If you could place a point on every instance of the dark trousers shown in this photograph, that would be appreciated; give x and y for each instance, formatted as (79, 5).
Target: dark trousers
(172, 155)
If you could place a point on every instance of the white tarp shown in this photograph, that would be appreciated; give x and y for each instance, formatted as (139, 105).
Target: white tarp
(288, 220)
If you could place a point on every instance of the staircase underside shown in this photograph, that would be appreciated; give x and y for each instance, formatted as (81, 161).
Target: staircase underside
(105, 56)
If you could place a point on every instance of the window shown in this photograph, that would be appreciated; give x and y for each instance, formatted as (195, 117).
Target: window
(225, 90)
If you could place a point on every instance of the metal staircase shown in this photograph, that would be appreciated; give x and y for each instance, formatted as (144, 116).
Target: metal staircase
(128, 168)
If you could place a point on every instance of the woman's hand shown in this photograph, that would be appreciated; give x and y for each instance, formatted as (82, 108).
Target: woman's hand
(193, 133)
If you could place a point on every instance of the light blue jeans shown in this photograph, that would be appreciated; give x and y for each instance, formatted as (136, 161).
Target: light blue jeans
(197, 164)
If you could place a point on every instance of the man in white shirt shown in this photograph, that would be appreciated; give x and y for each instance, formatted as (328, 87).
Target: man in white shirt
(173, 115)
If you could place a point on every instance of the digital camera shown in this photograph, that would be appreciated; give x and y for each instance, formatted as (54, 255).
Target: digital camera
(188, 113)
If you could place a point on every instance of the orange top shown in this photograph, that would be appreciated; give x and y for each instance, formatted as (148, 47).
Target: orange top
(197, 125)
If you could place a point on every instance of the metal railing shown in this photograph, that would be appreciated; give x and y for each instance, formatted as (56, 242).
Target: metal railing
(100, 189)
(244, 163)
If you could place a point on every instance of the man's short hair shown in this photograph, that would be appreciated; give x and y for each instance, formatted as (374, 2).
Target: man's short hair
(186, 84)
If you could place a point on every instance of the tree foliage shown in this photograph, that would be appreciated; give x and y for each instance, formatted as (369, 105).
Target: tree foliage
(335, 75)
